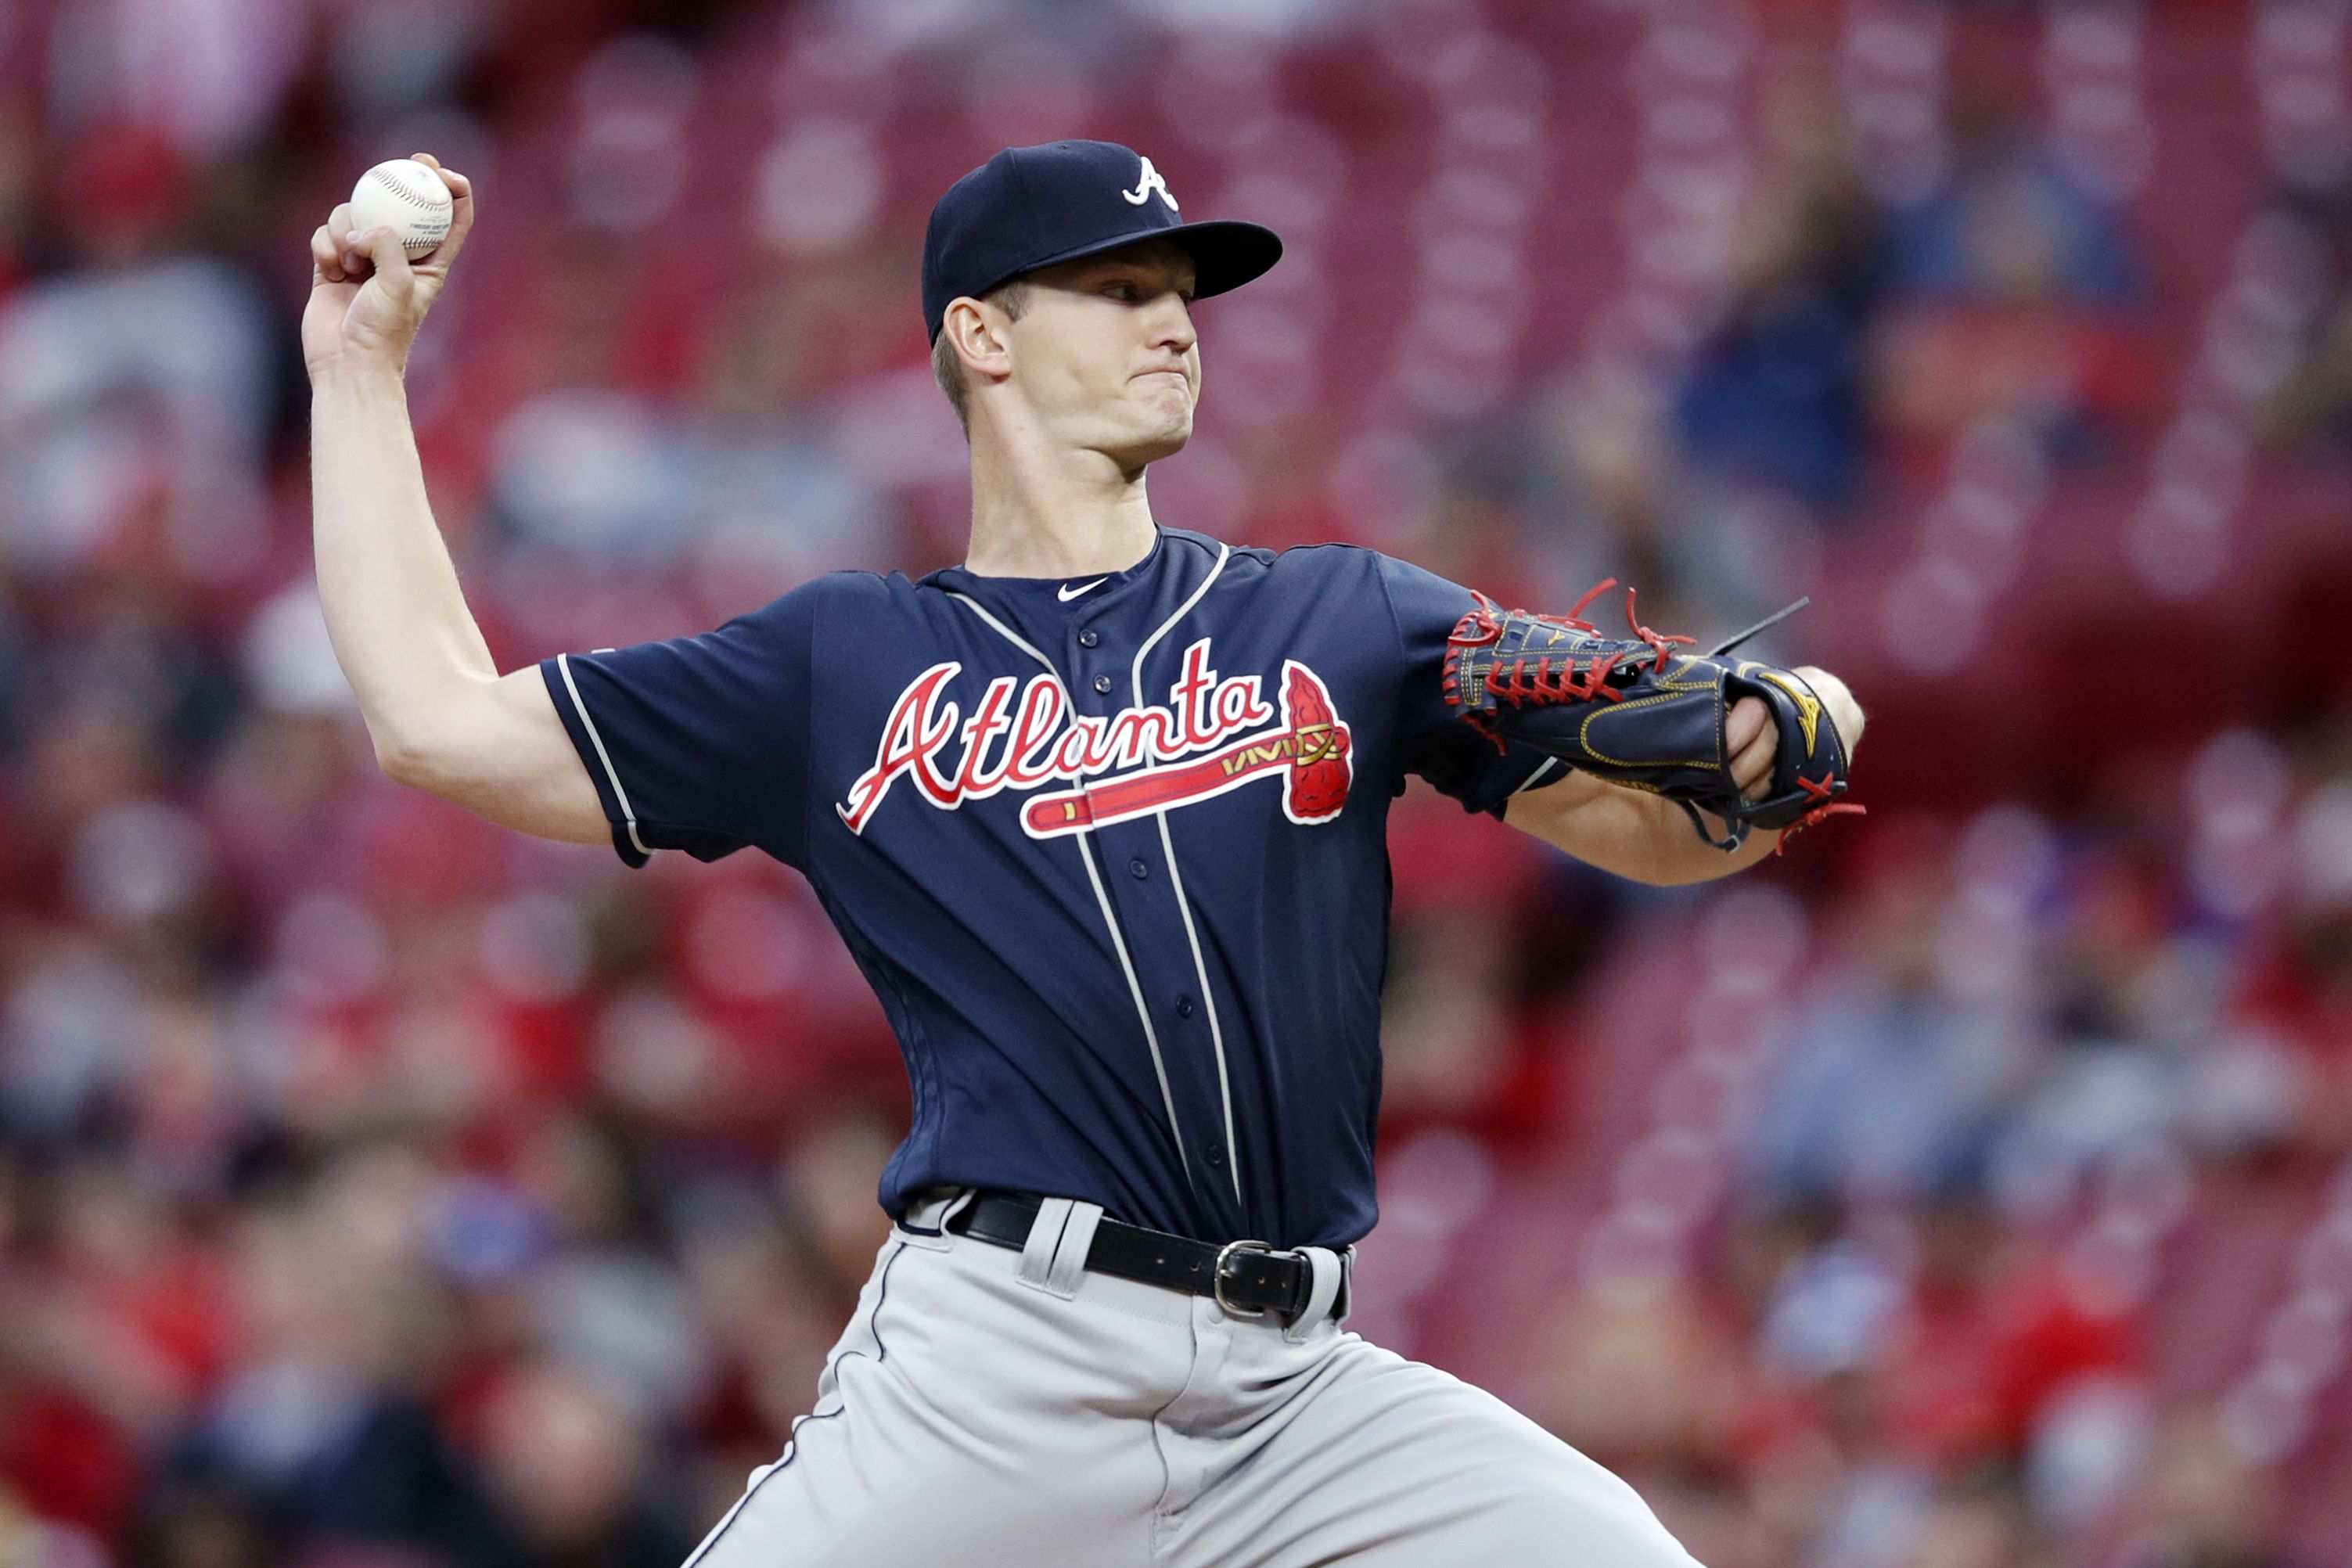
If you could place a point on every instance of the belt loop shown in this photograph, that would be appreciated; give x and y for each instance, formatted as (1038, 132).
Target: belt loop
(1346, 1301)
(1069, 1263)
(965, 1198)
(1330, 1274)
(1045, 1239)
(929, 1218)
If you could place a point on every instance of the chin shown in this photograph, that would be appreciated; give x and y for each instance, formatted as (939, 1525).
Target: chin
(1150, 447)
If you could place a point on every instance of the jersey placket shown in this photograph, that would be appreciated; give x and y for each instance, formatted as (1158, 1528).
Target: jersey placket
(1144, 890)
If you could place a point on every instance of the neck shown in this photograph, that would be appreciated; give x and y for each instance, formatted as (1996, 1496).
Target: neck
(1039, 511)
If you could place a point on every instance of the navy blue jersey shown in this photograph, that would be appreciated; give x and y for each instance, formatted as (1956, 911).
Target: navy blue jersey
(1112, 852)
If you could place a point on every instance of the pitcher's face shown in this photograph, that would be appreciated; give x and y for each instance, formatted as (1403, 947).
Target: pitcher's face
(1106, 356)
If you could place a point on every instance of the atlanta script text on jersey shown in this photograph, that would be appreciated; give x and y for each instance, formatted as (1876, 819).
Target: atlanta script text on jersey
(1216, 733)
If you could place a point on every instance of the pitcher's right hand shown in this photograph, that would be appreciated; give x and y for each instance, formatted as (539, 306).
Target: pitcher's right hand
(367, 298)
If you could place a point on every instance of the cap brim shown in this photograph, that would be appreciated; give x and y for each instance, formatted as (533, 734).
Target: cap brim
(1227, 252)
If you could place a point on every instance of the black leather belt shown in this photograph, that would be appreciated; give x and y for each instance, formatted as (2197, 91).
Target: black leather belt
(1247, 1278)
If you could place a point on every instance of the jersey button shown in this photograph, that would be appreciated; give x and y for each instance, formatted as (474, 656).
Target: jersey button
(1183, 1004)
(1217, 1156)
(1088, 637)
(1138, 869)
(1102, 684)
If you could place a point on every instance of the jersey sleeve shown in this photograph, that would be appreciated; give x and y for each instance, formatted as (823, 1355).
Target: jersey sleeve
(698, 743)
(1432, 740)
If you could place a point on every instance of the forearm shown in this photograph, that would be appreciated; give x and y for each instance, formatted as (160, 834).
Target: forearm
(1635, 835)
(1658, 833)
(395, 611)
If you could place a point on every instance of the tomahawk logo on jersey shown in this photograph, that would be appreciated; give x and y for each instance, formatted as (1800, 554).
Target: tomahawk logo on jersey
(1115, 861)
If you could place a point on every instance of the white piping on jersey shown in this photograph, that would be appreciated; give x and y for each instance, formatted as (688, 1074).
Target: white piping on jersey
(1135, 677)
(1102, 899)
(629, 812)
(1176, 880)
(1541, 768)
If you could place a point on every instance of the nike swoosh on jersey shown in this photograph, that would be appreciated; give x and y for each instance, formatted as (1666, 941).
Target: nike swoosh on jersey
(1065, 594)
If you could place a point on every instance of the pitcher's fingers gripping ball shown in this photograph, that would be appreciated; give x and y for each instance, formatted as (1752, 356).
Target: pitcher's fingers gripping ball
(1636, 711)
(404, 196)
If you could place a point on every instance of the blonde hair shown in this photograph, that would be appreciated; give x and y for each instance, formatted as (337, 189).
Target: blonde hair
(947, 365)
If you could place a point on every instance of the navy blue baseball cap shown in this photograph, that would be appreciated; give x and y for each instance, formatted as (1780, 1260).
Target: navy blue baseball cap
(1032, 207)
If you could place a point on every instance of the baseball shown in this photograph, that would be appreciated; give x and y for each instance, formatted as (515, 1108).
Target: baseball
(406, 197)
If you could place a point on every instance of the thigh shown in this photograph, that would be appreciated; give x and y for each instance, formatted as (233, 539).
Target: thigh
(1378, 1462)
(956, 1425)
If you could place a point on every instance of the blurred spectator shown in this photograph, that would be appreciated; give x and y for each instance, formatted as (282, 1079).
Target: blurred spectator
(1897, 1072)
(2012, 224)
(1982, 1526)
(2013, 278)
(1776, 393)
(2206, 1506)
(2292, 1017)
(566, 1469)
(200, 1527)
(136, 389)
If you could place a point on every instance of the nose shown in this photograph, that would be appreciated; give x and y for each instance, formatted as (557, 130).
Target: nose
(1171, 323)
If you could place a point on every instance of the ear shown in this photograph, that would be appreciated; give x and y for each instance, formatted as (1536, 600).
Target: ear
(978, 332)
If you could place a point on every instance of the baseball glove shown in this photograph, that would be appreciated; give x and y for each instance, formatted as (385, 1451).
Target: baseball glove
(1636, 711)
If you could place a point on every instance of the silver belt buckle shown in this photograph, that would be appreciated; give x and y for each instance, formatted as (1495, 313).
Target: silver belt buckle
(1217, 1285)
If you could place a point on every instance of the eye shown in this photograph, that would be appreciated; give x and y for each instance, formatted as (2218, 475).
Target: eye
(1120, 290)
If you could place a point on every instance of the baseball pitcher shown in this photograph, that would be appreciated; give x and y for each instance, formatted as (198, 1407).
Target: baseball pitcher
(1101, 813)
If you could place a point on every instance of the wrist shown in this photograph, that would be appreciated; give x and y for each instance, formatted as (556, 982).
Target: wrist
(355, 370)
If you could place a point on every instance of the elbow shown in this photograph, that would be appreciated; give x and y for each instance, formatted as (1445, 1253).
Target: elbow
(407, 760)
(399, 761)
(446, 748)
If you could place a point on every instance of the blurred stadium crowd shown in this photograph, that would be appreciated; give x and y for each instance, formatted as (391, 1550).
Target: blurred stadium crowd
(1972, 1188)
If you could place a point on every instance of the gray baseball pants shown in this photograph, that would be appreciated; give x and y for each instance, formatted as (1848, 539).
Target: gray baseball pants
(991, 1407)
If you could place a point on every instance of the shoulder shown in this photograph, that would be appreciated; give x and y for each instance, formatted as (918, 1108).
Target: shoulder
(1299, 563)
(859, 588)
(791, 619)
(1410, 592)
(1330, 557)
(864, 592)
(1358, 564)
(1208, 551)
(1357, 576)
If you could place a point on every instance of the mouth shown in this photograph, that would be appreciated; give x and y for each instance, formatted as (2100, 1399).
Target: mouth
(1175, 377)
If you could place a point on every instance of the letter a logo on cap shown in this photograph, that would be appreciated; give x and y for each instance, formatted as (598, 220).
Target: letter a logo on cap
(1150, 183)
